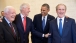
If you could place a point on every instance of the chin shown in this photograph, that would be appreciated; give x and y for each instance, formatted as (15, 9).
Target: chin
(60, 16)
(12, 20)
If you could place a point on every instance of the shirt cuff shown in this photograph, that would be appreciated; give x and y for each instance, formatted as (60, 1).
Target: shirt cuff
(42, 35)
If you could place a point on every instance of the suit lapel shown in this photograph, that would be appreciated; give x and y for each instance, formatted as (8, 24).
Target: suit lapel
(56, 26)
(48, 18)
(64, 25)
(7, 27)
(20, 23)
(40, 19)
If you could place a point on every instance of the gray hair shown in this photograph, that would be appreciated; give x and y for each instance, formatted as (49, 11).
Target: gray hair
(7, 8)
(24, 5)
(61, 4)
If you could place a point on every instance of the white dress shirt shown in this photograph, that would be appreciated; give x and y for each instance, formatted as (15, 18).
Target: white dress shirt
(45, 18)
(58, 20)
(22, 17)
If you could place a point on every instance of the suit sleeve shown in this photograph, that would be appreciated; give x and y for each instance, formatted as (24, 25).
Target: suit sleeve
(34, 32)
(1, 35)
(50, 31)
(74, 31)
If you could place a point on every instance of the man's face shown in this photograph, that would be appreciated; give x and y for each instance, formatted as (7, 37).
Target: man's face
(44, 10)
(2, 13)
(61, 10)
(10, 15)
(26, 10)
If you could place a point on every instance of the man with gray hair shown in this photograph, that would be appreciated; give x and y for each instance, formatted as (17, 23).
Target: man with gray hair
(62, 29)
(24, 24)
(8, 31)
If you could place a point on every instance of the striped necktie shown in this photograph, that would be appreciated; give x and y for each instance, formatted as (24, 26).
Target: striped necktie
(13, 30)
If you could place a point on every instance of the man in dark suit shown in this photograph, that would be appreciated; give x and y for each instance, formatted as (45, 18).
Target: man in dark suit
(24, 24)
(41, 24)
(8, 31)
(62, 28)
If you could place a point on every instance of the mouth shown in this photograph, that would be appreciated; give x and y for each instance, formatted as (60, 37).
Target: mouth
(12, 16)
(60, 13)
(42, 13)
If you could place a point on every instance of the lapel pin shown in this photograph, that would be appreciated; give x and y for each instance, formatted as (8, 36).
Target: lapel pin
(66, 21)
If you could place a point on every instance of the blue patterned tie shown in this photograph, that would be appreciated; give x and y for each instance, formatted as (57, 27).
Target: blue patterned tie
(43, 23)
(60, 27)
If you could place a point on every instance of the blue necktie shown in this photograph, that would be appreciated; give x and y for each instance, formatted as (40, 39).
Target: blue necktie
(43, 23)
(60, 27)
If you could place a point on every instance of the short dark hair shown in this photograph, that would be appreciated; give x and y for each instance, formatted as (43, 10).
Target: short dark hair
(46, 5)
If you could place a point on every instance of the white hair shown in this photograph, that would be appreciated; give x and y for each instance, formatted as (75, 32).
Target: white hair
(7, 8)
(24, 5)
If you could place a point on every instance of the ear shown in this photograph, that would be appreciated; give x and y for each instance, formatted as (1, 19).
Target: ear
(5, 14)
(48, 10)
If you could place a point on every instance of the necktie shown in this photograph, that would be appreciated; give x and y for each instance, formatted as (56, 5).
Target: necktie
(43, 23)
(24, 23)
(13, 30)
(60, 27)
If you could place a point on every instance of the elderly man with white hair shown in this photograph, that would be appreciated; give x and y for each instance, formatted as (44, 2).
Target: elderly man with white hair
(8, 31)
(23, 23)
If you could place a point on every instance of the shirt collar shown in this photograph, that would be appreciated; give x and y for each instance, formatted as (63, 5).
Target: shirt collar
(21, 16)
(61, 18)
(7, 20)
(45, 16)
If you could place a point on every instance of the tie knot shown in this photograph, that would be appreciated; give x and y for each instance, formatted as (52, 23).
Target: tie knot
(24, 17)
(60, 19)
(43, 17)
(10, 24)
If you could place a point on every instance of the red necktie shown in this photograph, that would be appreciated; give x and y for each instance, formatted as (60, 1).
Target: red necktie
(24, 23)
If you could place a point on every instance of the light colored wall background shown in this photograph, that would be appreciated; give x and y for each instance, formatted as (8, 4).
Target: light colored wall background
(35, 6)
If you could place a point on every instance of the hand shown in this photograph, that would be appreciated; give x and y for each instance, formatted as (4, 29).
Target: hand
(47, 35)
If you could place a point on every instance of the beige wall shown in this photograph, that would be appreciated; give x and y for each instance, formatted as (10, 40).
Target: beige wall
(36, 5)
(2, 5)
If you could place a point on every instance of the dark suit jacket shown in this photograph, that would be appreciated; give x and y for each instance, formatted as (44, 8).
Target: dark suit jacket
(68, 32)
(29, 27)
(37, 38)
(6, 35)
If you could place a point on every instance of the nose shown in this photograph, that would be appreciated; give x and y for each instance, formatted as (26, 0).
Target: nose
(29, 10)
(14, 14)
